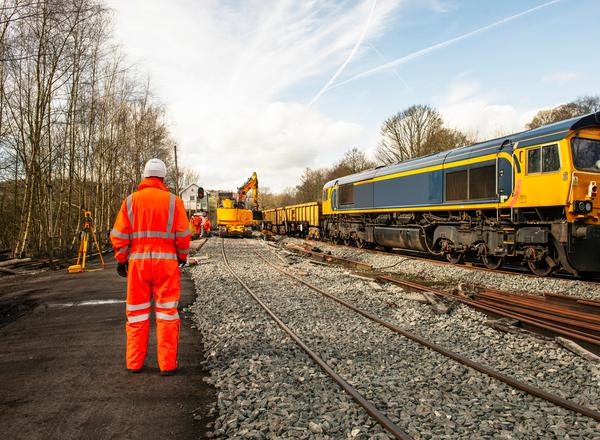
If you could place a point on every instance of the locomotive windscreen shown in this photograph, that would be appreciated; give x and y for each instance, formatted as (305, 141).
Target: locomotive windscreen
(586, 154)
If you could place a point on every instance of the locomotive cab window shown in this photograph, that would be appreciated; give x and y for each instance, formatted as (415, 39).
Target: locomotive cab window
(544, 159)
(325, 195)
(346, 194)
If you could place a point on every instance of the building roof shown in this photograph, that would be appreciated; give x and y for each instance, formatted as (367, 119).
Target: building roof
(188, 187)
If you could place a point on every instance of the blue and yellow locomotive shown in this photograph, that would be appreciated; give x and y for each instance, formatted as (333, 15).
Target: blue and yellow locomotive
(529, 197)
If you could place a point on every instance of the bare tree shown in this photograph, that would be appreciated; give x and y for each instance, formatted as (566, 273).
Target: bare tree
(187, 176)
(312, 180)
(353, 161)
(579, 107)
(270, 200)
(76, 126)
(406, 134)
(417, 131)
(311, 185)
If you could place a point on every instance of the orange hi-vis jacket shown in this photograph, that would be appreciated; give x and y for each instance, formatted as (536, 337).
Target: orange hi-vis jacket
(196, 222)
(151, 233)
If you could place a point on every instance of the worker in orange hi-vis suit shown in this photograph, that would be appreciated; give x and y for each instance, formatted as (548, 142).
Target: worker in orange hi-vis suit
(151, 239)
(206, 227)
(196, 222)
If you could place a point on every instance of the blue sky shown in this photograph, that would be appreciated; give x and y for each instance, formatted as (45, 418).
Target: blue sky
(538, 60)
(237, 78)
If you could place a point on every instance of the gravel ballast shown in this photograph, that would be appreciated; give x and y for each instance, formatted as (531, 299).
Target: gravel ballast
(450, 275)
(268, 388)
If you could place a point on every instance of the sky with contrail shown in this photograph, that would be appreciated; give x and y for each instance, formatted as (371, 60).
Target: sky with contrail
(420, 53)
(255, 85)
(350, 56)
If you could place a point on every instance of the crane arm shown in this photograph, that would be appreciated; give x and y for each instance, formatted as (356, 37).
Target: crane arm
(250, 185)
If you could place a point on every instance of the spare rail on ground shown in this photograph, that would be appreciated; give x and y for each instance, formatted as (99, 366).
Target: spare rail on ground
(328, 257)
(532, 312)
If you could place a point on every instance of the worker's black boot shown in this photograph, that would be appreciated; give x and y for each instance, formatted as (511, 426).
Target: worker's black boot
(168, 372)
(134, 371)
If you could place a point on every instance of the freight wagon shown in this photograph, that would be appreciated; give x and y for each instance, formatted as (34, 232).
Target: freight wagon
(300, 220)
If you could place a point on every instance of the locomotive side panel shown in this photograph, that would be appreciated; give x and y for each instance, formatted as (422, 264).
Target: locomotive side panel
(410, 190)
(363, 195)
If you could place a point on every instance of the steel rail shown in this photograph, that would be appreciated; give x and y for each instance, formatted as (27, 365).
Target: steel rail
(524, 310)
(547, 314)
(381, 418)
(201, 244)
(533, 321)
(542, 297)
(328, 257)
(527, 319)
(561, 297)
(589, 302)
(541, 306)
(530, 389)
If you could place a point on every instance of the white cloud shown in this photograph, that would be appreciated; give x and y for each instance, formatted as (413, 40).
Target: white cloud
(221, 68)
(278, 141)
(561, 77)
(440, 6)
(467, 108)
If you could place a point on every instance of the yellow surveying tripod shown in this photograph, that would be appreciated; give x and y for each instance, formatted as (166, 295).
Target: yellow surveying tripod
(88, 231)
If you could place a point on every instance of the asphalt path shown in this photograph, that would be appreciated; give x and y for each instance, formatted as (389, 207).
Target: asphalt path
(62, 364)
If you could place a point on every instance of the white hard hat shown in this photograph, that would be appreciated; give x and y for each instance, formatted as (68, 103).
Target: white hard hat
(155, 168)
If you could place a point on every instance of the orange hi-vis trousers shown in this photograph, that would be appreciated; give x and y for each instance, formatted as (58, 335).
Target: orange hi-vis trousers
(151, 233)
(163, 288)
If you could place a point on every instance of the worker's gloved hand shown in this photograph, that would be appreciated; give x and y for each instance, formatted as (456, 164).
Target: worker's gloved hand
(122, 269)
(181, 262)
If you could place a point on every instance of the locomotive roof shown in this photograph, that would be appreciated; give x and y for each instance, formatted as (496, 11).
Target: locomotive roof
(547, 133)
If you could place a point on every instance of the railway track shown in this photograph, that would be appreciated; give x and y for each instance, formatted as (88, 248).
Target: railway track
(380, 417)
(572, 317)
(467, 264)
(527, 388)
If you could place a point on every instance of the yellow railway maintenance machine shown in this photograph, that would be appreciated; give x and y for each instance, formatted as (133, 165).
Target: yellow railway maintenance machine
(234, 219)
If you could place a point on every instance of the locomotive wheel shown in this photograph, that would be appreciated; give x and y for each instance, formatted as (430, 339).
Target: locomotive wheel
(454, 257)
(347, 241)
(360, 243)
(540, 268)
(492, 262)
